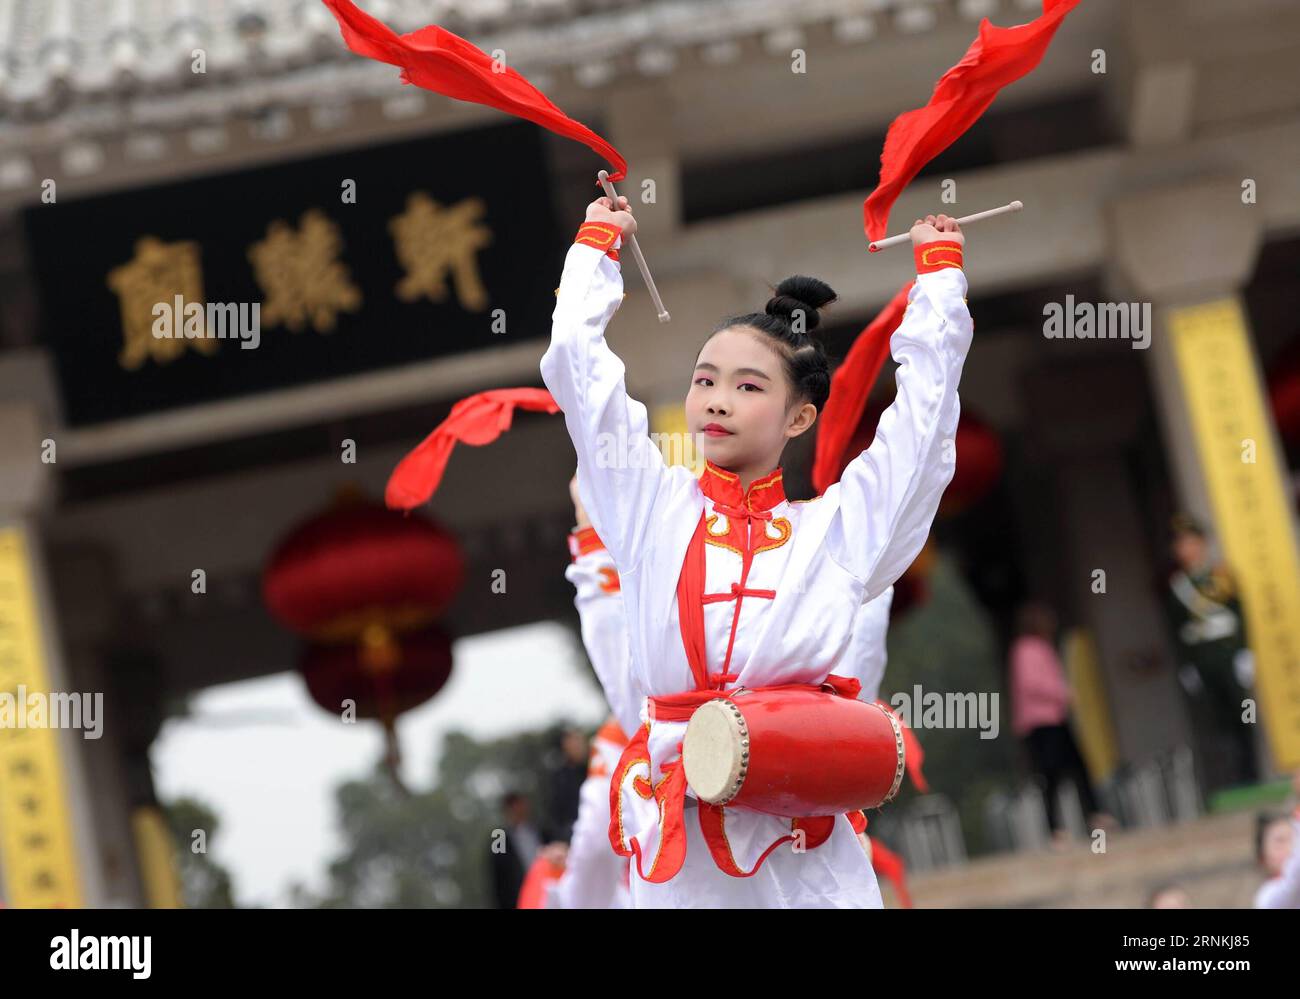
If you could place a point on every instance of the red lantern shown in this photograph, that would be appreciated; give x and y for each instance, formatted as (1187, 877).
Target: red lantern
(381, 676)
(979, 465)
(420, 666)
(364, 584)
(360, 568)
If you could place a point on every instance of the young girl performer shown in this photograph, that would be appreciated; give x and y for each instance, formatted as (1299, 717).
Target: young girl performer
(594, 876)
(724, 582)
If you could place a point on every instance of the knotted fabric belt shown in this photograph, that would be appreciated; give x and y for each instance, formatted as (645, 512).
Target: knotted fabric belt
(670, 791)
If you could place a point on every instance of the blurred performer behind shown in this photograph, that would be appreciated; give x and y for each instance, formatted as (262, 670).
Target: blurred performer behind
(1040, 715)
(564, 779)
(595, 877)
(1215, 665)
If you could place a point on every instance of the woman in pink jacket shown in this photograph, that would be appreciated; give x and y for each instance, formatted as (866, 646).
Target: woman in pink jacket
(1040, 715)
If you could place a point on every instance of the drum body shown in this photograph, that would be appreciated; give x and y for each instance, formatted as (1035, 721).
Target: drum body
(793, 752)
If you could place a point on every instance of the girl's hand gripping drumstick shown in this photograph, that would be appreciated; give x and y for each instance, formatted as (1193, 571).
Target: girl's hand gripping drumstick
(888, 241)
(621, 203)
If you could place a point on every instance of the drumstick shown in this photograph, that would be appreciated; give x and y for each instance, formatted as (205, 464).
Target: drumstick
(888, 241)
(603, 176)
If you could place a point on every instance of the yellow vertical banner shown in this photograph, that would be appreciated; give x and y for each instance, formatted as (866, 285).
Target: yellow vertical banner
(36, 840)
(157, 855)
(1234, 440)
(1092, 718)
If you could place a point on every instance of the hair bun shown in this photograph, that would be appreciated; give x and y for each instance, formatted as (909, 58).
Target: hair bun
(800, 294)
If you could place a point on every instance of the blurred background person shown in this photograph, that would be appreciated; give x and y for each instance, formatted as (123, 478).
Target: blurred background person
(1277, 848)
(1040, 713)
(567, 772)
(513, 854)
(1215, 664)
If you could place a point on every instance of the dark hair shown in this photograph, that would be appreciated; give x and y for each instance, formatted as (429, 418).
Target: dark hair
(1185, 523)
(1035, 617)
(788, 318)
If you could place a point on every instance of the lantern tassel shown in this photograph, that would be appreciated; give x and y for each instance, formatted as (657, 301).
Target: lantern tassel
(393, 756)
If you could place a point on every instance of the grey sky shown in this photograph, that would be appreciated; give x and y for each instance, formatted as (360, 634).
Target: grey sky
(267, 759)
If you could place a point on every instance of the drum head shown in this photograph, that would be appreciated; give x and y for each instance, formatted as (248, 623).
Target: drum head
(715, 750)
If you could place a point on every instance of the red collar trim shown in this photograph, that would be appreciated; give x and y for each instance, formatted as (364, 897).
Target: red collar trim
(722, 486)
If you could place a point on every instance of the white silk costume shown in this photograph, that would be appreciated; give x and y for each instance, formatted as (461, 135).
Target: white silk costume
(599, 600)
(781, 610)
(595, 877)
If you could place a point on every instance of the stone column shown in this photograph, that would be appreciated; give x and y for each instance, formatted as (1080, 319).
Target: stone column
(640, 126)
(1082, 414)
(48, 835)
(1188, 249)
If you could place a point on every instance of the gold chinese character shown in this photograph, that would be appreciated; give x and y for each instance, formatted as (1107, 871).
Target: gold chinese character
(300, 274)
(432, 240)
(157, 274)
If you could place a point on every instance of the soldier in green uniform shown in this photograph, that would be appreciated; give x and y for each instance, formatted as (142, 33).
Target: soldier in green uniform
(1210, 634)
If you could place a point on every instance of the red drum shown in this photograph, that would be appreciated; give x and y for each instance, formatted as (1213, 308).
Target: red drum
(795, 752)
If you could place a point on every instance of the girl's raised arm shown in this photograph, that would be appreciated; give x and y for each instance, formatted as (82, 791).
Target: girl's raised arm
(890, 493)
(620, 470)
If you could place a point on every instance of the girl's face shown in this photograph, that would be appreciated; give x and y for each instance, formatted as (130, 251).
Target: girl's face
(738, 406)
(1277, 846)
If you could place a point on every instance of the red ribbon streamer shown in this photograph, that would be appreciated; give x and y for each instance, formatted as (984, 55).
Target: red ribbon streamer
(542, 874)
(439, 60)
(477, 420)
(889, 865)
(997, 57)
(850, 386)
